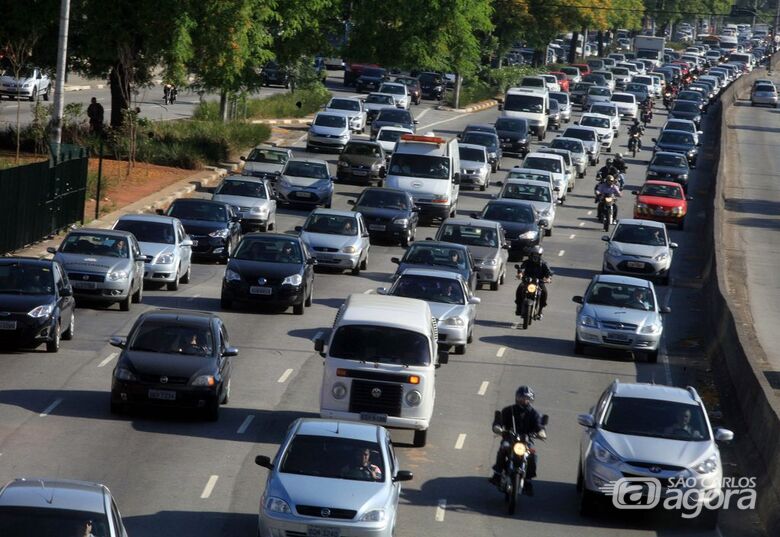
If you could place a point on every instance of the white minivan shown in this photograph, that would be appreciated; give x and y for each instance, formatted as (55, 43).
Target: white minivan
(529, 104)
(380, 363)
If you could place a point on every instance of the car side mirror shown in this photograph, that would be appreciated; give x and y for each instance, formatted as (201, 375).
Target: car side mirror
(415, 209)
(500, 107)
(381, 290)
(264, 461)
(365, 235)
(51, 250)
(456, 179)
(586, 420)
(116, 341)
(66, 291)
(665, 309)
(577, 299)
(242, 158)
(186, 242)
(319, 344)
(395, 260)
(605, 238)
(298, 228)
(311, 261)
(475, 215)
(673, 245)
(542, 223)
(308, 123)
(689, 198)
(723, 435)
(144, 258)
(499, 183)
(159, 211)
(351, 202)
(443, 357)
(382, 173)
(403, 475)
(230, 351)
(655, 140)
(474, 300)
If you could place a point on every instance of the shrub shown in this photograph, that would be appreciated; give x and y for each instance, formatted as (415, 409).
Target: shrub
(280, 105)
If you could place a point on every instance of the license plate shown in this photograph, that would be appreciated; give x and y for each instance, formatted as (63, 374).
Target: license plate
(373, 417)
(165, 395)
(83, 285)
(305, 195)
(376, 227)
(359, 172)
(635, 264)
(660, 211)
(194, 243)
(617, 337)
(319, 531)
(257, 290)
(7, 325)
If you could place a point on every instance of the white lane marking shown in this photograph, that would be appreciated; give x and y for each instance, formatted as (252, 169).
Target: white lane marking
(429, 125)
(460, 441)
(515, 325)
(483, 387)
(500, 352)
(560, 254)
(368, 291)
(285, 376)
(193, 297)
(209, 487)
(572, 236)
(107, 359)
(582, 224)
(421, 114)
(590, 213)
(245, 424)
(51, 407)
(440, 510)
(318, 335)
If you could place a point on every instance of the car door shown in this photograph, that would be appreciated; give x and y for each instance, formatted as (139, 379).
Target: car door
(234, 227)
(185, 250)
(503, 253)
(225, 363)
(138, 261)
(65, 301)
(392, 469)
(365, 243)
(308, 269)
(472, 267)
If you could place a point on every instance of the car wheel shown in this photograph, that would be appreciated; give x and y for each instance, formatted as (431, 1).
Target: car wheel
(407, 238)
(364, 263)
(548, 232)
(226, 393)
(459, 349)
(138, 296)
(124, 305)
(310, 298)
(225, 303)
(327, 205)
(298, 309)
(116, 408)
(652, 356)
(68, 334)
(494, 285)
(484, 187)
(53, 345)
(588, 503)
(33, 95)
(212, 411)
(186, 277)
(420, 438)
(356, 270)
(174, 285)
(46, 95)
(664, 280)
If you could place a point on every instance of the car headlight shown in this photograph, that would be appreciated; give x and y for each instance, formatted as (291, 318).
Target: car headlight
(662, 256)
(413, 398)
(614, 251)
(683, 176)
(653, 328)
(124, 374)
(232, 276)
(590, 322)
(41, 311)
(545, 212)
(323, 184)
(277, 505)
(258, 210)
(343, 164)
(677, 210)
(709, 465)
(401, 221)
(295, 280)
(529, 234)
(454, 321)
(26, 85)
(117, 275)
(376, 165)
(165, 259)
(641, 206)
(349, 249)
(205, 380)
(219, 234)
(344, 135)
(604, 455)
(339, 391)
(492, 262)
(375, 515)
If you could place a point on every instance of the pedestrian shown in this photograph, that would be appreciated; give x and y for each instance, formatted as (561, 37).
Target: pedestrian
(95, 113)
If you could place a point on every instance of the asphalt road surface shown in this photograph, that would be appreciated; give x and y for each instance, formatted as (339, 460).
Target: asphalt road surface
(55, 420)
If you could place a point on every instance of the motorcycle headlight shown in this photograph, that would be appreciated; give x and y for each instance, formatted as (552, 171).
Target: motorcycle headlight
(349, 249)
(343, 164)
(653, 328)
(41, 311)
(708, 465)
(413, 398)
(205, 380)
(604, 455)
(117, 275)
(277, 505)
(662, 256)
(588, 321)
(531, 288)
(529, 234)
(519, 449)
(454, 321)
(165, 259)
(339, 390)
(124, 374)
(401, 221)
(376, 515)
(294, 280)
(219, 234)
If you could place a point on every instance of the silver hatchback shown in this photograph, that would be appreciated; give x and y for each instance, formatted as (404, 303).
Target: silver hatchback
(639, 248)
(486, 242)
(252, 198)
(337, 239)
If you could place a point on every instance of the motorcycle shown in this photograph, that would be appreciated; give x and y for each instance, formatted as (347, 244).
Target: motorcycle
(633, 143)
(517, 450)
(647, 116)
(668, 100)
(607, 211)
(169, 94)
(531, 299)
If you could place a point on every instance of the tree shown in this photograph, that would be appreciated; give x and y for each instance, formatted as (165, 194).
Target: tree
(509, 19)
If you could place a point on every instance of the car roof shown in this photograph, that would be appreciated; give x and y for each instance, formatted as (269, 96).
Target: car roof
(180, 201)
(677, 131)
(382, 310)
(345, 99)
(551, 156)
(660, 182)
(34, 261)
(386, 189)
(328, 113)
(617, 278)
(594, 114)
(109, 232)
(357, 141)
(520, 169)
(640, 222)
(509, 201)
(308, 161)
(271, 147)
(394, 128)
(447, 274)
(333, 212)
(519, 181)
(441, 244)
(158, 218)
(668, 153)
(465, 221)
(242, 177)
(61, 494)
(365, 432)
(657, 392)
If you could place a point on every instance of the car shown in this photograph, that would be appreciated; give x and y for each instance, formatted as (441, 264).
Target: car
(388, 213)
(647, 81)
(475, 166)
(314, 484)
(678, 142)
(610, 110)
(436, 255)
(370, 79)
(608, 76)
(520, 221)
(305, 181)
(603, 126)
(529, 174)
(173, 359)
(570, 172)
(412, 87)
(56, 506)
(640, 91)
(579, 92)
(275, 74)
(399, 91)
(622, 76)
(579, 155)
(450, 300)
(534, 82)
(661, 201)
(37, 300)
(266, 161)
(651, 432)
(490, 142)
(352, 108)
(597, 94)
(562, 80)
(595, 80)
(103, 265)
(514, 135)
(269, 269)
(163, 240)
(670, 167)
(763, 94)
(627, 104)
(387, 137)
(328, 131)
(686, 110)
(620, 313)
(32, 83)
(572, 73)
(685, 125)
(213, 226)
(553, 163)
(589, 138)
(393, 117)
(253, 198)
(376, 102)
(564, 104)
(478, 127)
(337, 239)
(362, 161)
(486, 243)
(432, 85)
(554, 115)
(539, 193)
(639, 248)
(551, 81)
(695, 96)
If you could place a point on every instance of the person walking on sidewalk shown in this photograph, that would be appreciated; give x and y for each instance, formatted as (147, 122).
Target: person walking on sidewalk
(95, 113)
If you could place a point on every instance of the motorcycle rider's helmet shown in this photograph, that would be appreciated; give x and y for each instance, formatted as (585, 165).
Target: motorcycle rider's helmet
(611, 180)
(523, 396)
(536, 253)
(609, 163)
(619, 156)
(636, 122)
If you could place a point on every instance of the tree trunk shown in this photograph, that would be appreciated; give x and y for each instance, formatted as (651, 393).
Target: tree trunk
(458, 82)
(120, 89)
(600, 39)
(575, 36)
(223, 105)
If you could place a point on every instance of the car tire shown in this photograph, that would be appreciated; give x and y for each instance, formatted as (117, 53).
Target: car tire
(187, 275)
(298, 309)
(34, 95)
(138, 296)
(327, 205)
(356, 271)
(364, 263)
(588, 503)
(579, 347)
(652, 356)
(53, 345)
(494, 285)
(226, 393)
(470, 337)
(664, 280)
(46, 95)
(174, 285)
(124, 305)
(459, 349)
(708, 519)
(310, 298)
(406, 239)
(212, 412)
(484, 187)
(420, 438)
(71, 330)
(225, 303)
(548, 232)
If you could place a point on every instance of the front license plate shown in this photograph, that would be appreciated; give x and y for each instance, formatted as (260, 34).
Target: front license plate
(257, 290)
(319, 531)
(635, 264)
(373, 417)
(376, 227)
(617, 337)
(7, 325)
(83, 285)
(359, 172)
(305, 195)
(165, 395)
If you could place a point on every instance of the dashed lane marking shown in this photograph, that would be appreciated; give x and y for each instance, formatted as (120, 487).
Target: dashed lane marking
(560, 254)
(590, 213)
(582, 224)
(107, 359)
(368, 291)
(572, 236)
(245, 424)
(285, 376)
(460, 441)
(500, 352)
(207, 490)
(51, 407)
(440, 509)
(483, 387)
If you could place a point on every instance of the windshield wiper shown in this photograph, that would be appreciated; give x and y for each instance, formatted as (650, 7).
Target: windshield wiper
(143, 349)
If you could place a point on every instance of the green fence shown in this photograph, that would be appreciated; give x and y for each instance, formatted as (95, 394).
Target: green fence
(37, 200)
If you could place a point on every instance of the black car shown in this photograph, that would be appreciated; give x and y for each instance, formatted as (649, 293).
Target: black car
(432, 85)
(686, 110)
(389, 214)
(678, 142)
(669, 167)
(490, 142)
(439, 255)
(695, 96)
(370, 79)
(213, 226)
(513, 133)
(393, 117)
(173, 359)
(478, 127)
(520, 222)
(274, 74)
(362, 161)
(37, 303)
(269, 268)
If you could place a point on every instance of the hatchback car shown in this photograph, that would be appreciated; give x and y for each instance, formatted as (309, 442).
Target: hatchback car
(554, 115)
(639, 248)
(514, 135)
(538, 193)
(362, 161)
(619, 312)
(388, 214)
(627, 104)
(486, 242)
(521, 224)
(763, 94)
(555, 164)
(437, 255)
(213, 226)
(611, 111)
(651, 432)
(579, 92)
(328, 131)
(399, 91)
(475, 166)
(375, 103)
(388, 137)
(163, 240)
(173, 359)
(269, 269)
(253, 199)
(266, 162)
(579, 155)
(640, 91)
(490, 142)
(337, 239)
(393, 117)
(305, 182)
(564, 104)
(589, 138)
(669, 167)
(331, 478)
(412, 86)
(661, 201)
(684, 125)
(352, 109)
(37, 302)
(597, 94)
(680, 142)
(686, 110)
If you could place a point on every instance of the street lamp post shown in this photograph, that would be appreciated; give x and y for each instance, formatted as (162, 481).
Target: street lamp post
(59, 87)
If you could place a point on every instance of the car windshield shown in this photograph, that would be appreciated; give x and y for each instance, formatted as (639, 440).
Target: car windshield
(575, 146)
(680, 126)
(604, 110)
(676, 161)
(480, 138)
(656, 418)
(95, 244)
(532, 82)
(380, 99)
(581, 87)
(680, 106)
(393, 89)
(624, 99)
(638, 88)
(269, 250)
(560, 98)
(689, 96)
(619, 295)
(331, 224)
(620, 71)
(524, 103)
(333, 457)
(529, 175)
(430, 289)
(23, 279)
(547, 164)
(646, 80)
(172, 337)
(471, 153)
(503, 212)
(661, 191)
(195, 210)
(469, 235)
(581, 134)
(237, 187)
(383, 200)
(599, 91)
(395, 116)
(363, 149)
(411, 165)
(554, 107)
(765, 88)
(373, 72)
(390, 135)
(330, 120)
(146, 231)
(526, 192)
(677, 138)
(345, 104)
(597, 122)
(381, 344)
(47, 521)
(430, 78)
(639, 234)
(310, 170)
(441, 256)
(268, 156)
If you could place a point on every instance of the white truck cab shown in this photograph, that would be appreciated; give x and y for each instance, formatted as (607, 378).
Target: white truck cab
(531, 104)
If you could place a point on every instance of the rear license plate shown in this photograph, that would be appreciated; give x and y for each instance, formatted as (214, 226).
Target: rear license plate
(319, 531)
(7, 325)
(83, 285)
(376, 227)
(617, 337)
(359, 172)
(635, 264)
(165, 395)
(257, 290)
(305, 195)
(373, 417)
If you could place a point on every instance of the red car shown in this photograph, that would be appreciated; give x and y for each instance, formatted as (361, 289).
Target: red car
(563, 80)
(661, 201)
(583, 67)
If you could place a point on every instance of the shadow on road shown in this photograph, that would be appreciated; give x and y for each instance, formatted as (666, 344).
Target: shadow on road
(192, 523)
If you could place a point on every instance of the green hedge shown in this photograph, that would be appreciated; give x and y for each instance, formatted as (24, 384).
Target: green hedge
(280, 105)
(489, 84)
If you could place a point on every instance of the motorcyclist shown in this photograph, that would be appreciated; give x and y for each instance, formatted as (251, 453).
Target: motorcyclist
(533, 267)
(522, 418)
(621, 166)
(638, 129)
(605, 171)
(608, 188)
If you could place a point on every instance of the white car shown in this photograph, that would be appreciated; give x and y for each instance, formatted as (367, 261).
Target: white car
(389, 136)
(399, 91)
(647, 80)
(551, 82)
(607, 109)
(603, 126)
(352, 108)
(554, 164)
(626, 103)
(31, 84)
(474, 166)
(328, 131)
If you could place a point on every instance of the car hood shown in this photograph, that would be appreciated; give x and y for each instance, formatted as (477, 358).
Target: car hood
(301, 181)
(518, 227)
(378, 106)
(403, 266)
(341, 112)
(319, 130)
(171, 365)
(512, 135)
(251, 270)
(674, 148)
(379, 212)
(656, 450)
(620, 315)
(242, 201)
(23, 303)
(483, 252)
(362, 160)
(262, 167)
(361, 496)
(202, 227)
(472, 164)
(10, 80)
(92, 263)
(328, 240)
(639, 250)
(660, 201)
(154, 249)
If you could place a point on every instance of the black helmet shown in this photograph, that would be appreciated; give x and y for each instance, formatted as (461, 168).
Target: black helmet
(609, 161)
(536, 250)
(524, 392)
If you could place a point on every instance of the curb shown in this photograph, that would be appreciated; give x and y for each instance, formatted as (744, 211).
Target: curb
(477, 107)
(293, 121)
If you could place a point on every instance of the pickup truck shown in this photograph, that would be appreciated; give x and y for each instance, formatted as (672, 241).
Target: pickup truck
(31, 84)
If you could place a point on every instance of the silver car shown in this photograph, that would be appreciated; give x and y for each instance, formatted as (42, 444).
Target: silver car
(564, 104)
(571, 172)
(337, 239)
(538, 193)
(579, 155)
(449, 298)
(328, 131)
(763, 94)
(619, 312)
(103, 265)
(266, 161)
(486, 242)
(474, 166)
(639, 248)
(352, 108)
(305, 181)
(331, 478)
(253, 199)
(589, 138)
(163, 240)
(651, 432)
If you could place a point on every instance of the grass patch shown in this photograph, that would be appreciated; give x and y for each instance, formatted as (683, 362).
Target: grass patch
(489, 84)
(280, 105)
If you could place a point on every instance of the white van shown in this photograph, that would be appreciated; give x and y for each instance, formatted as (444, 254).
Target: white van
(531, 104)
(428, 167)
(380, 364)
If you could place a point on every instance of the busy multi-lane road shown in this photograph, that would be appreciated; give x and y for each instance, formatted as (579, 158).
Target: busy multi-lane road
(173, 475)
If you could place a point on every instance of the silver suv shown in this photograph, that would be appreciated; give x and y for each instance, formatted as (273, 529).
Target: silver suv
(650, 432)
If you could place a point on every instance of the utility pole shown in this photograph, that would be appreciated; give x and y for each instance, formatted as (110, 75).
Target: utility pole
(59, 87)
